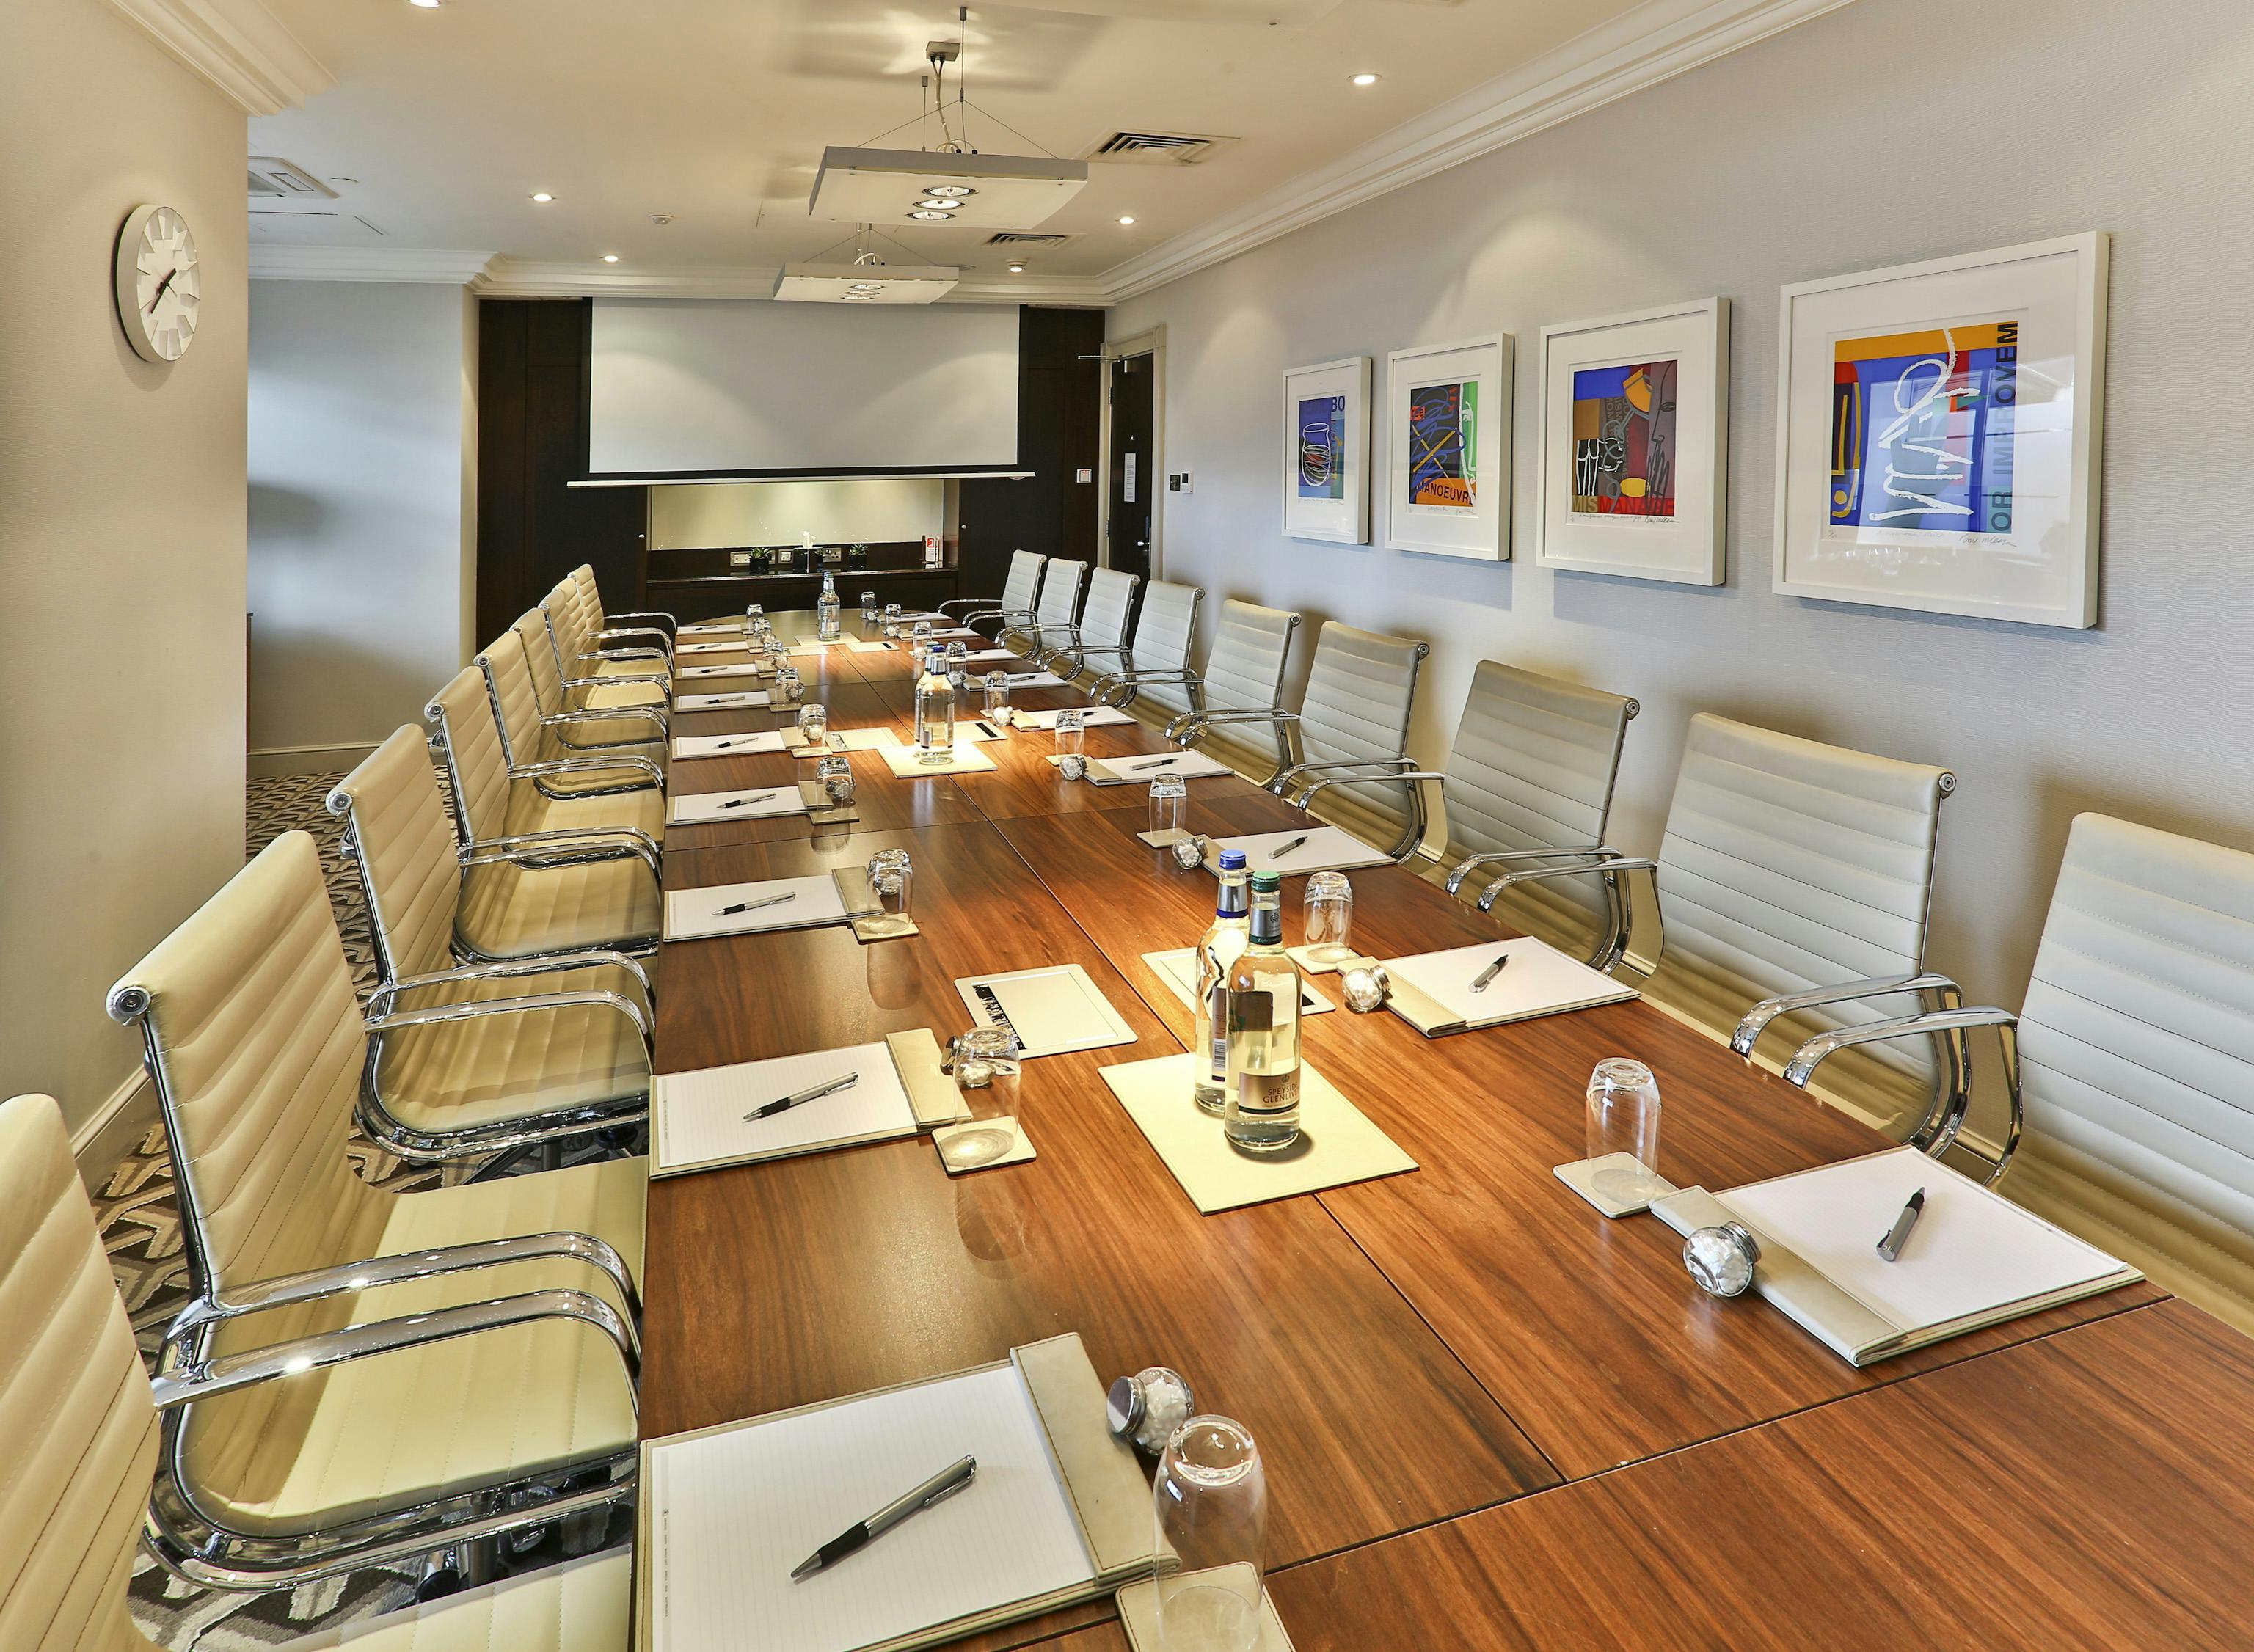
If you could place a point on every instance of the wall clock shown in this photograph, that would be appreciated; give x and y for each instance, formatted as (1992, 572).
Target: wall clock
(159, 284)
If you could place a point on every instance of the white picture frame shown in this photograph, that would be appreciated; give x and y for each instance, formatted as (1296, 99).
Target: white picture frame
(1326, 477)
(1430, 457)
(1980, 501)
(1635, 452)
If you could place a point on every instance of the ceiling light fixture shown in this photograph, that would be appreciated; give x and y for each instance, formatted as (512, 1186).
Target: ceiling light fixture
(929, 216)
(423, 5)
(542, 196)
(866, 279)
(1365, 78)
(1017, 269)
(610, 258)
(957, 191)
(1127, 218)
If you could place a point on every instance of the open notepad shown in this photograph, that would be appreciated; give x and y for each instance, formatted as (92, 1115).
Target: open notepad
(778, 903)
(1432, 990)
(697, 1123)
(752, 802)
(1319, 848)
(1095, 716)
(1144, 767)
(727, 745)
(1057, 1513)
(1974, 1259)
(743, 698)
(1177, 968)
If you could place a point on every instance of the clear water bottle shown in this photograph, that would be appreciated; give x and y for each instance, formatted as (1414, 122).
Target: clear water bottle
(934, 711)
(1217, 952)
(825, 609)
(1262, 1109)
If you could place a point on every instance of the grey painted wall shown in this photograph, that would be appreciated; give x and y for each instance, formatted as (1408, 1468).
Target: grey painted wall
(361, 521)
(1892, 130)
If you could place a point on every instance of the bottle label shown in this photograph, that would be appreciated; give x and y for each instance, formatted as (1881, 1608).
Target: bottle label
(1217, 1018)
(1253, 1011)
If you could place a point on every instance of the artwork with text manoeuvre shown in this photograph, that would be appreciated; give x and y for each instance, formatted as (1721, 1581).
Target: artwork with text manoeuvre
(1448, 434)
(1635, 414)
(1326, 451)
(1939, 434)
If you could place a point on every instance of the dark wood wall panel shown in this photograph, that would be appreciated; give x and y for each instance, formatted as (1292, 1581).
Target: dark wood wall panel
(1059, 435)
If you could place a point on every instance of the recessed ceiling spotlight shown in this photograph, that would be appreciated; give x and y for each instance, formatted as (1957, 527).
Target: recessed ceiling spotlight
(1365, 78)
(661, 218)
(610, 258)
(542, 196)
(929, 215)
(1017, 269)
(957, 191)
(423, 5)
(1127, 218)
(940, 206)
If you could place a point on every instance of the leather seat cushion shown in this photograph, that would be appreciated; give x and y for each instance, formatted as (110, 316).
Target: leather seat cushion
(528, 811)
(587, 1606)
(514, 912)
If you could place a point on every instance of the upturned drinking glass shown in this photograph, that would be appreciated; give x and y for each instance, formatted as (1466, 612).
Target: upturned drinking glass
(1169, 795)
(890, 872)
(1328, 907)
(835, 774)
(1209, 1500)
(958, 666)
(1624, 1130)
(921, 631)
(1072, 760)
(787, 686)
(868, 607)
(814, 723)
(998, 698)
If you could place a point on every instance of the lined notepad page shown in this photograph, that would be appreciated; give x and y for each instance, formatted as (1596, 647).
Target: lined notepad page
(1973, 1251)
(701, 1113)
(735, 1511)
(1538, 980)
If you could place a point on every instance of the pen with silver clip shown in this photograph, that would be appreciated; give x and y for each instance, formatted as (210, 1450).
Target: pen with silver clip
(738, 802)
(1890, 1246)
(811, 1093)
(1283, 848)
(754, 905)
(1136, 768)
(944, 1484)
(1480, 981)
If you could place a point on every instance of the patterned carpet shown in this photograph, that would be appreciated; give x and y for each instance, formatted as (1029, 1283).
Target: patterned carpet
(141, 1226)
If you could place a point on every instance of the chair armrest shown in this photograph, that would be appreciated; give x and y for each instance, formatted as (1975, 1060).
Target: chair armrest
(1186, 727)
(1756, 1021)
(1392, 768)
(471, 1009)
(664, 637)
(598, 843)
(1585, 851)
(509, 969)
(625, 761)
(614, 683)
(1813, 1053)
(1610, 863)
(664, 621)
(652, 714)
(207, 1378)
(658, 655)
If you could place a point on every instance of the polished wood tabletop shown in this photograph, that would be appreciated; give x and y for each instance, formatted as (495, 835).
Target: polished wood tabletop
(1409, 1352)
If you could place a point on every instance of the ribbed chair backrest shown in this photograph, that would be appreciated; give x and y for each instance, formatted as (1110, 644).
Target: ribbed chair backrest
(469, 738)
(569, 632)
(1533, 768)
(1023, 585)
(524, 738)
(531, 634)
(1103, 616)
(1787, 864)
(2137, 1055)
(590, 595)
(79, 1427)
(1060, 597)
(405, 844)
(1360, 690)
(1162, 642)
(1244, 672)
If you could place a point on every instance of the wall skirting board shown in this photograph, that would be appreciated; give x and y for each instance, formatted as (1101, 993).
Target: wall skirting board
(269, 761)
(116, 1129)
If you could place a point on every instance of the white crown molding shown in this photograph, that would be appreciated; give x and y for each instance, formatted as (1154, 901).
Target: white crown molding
(238, 45)
(435, 267)
(525, 278)
(1639, 48)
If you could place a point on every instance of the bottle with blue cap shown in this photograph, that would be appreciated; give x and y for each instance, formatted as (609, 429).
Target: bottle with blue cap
(934, 711)
(1222, 945)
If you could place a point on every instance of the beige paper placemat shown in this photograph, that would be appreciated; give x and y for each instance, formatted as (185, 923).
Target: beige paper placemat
(1337, 1144)
(965, 759)
(1138, 1612)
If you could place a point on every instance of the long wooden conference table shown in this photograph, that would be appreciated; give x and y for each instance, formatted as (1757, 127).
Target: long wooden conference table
(1490, 1417)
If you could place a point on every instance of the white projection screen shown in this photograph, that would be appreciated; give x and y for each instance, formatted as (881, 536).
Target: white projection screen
(709, 387)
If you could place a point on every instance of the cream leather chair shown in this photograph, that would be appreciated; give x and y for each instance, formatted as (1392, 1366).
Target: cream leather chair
(1796, 873)
(1101, 629)
(1346, 747)
(2131, 1063)
(585, 642)
(1530, 778)
(652, 627)
(1020, 590)
(582, 731)
(1157, 663)
(595, 678)
(1053, 613)
(534, 888)
(503, 1310)
(1243, 675)
(484, 1058)
(79, 1436)
(534, 743)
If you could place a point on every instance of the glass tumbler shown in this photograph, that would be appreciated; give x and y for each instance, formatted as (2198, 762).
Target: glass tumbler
(958, 666)
(835, 774)
(890, 872)
(977, 1057)
(1624, 1130)
(1210, 1502)
(755, 617)
(869, 610)
(814, 723)
(1071, 738)
(1329, 912)
(998, 698)
(921, 634)
(787, 686)
(892, 620)
(1169, 794)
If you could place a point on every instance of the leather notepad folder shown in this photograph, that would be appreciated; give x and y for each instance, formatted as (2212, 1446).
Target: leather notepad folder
(1059, 1513)
(1432, 990)
(1973, 1260)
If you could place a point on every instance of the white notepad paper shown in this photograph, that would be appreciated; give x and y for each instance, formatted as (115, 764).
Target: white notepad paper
(1053, 1010)
(697, 1117)
(1142, 770)
(1327, 849)
(1179, 969)
(964, 758)
(704, 671)
(714, 627)
(980, 655)
(742, 698)
(1036, 680)
(738, 646)
(692, 914)
(1093, 716)
(735, 1510)
(1538, 980)
(727, 745)
(753, 802)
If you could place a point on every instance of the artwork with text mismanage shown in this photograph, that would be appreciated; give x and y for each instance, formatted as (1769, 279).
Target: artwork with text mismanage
(1444, 445)
(1922, 430)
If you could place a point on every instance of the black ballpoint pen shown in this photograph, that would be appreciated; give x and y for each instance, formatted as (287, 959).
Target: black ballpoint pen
(753, 906)
(738, 802)
(1480, 981)
(1890, 1246)
(1282, 850)
(1136, 768)
(799, 1098)
(944, 1484)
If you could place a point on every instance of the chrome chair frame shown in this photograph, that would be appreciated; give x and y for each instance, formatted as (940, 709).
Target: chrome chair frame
(999, 612)
(1184, 729)
(184, 1536)
(540, 771)
(564, 719)
(1075, 648)
(564, 665)
(1453, 883)
(1117, 687)
(1031, 630)
(1289, 781)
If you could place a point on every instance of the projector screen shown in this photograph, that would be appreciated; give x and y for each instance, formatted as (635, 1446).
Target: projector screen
(709, 387)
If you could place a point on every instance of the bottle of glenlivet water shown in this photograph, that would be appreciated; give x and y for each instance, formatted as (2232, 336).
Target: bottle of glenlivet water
(1262, 1110)
(1223, 944)
(934, 711)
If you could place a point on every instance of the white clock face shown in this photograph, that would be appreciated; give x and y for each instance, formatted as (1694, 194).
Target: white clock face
(159, 287)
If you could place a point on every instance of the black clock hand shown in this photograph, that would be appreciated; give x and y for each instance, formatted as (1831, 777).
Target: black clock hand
(150, 309)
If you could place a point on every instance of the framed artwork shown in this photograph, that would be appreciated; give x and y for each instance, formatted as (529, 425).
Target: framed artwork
(1448, 482)
(1326, 451)
(1939, 430)
(1635, 417)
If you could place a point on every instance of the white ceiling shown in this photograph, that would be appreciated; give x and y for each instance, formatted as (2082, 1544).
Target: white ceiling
(443, 123)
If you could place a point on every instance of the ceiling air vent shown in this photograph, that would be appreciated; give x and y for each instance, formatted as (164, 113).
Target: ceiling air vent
(1024, 238)
(274, 178)
(1156, 149)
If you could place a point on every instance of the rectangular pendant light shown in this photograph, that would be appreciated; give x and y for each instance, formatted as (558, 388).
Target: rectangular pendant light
(888, 187)
(864, 283)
